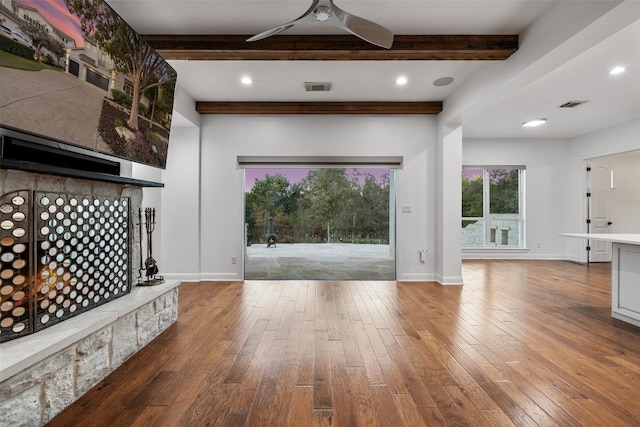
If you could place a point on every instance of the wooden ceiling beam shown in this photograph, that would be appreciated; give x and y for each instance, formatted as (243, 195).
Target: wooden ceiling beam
(334, 47)
(338, 108)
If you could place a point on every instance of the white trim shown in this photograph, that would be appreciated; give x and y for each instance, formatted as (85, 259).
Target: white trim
(514, 255)
(182, 277)
(221, 277)
(450, 280)
(416, 277)
(303, 161)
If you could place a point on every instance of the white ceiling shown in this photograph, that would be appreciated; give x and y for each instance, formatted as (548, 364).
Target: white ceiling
(566, 50)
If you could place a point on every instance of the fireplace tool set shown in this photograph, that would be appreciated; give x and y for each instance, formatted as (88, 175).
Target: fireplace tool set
(148, 265)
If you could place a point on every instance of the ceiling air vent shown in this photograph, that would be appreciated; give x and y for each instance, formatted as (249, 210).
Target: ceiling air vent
(317, 86)
(572, 104)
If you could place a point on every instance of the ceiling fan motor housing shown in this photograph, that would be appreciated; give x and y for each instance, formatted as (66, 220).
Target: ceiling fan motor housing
(322, 13)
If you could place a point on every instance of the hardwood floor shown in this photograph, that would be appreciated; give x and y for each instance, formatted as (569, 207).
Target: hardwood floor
(526, 343)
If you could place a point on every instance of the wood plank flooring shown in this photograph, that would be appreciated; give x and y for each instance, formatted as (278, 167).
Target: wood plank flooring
(525, 343)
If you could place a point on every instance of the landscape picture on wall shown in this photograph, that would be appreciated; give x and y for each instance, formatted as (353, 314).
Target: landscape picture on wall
(76, 72)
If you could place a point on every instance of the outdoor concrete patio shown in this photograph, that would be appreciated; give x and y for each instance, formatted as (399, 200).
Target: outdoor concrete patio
(319, 261)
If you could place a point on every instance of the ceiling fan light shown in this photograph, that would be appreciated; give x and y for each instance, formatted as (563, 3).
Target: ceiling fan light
(534, 122)
(322, 13)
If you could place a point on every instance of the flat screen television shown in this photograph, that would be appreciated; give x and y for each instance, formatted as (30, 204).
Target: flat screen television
(79, 74)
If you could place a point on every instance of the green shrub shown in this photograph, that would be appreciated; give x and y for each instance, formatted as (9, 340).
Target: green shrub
(118, 123)
(151, 135)
(121, 98)
(143, 110)
(12, 46)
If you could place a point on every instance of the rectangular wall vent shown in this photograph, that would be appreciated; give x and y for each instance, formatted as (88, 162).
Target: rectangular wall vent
(317, 86)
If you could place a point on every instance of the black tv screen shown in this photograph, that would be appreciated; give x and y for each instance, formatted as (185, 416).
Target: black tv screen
(75, 71)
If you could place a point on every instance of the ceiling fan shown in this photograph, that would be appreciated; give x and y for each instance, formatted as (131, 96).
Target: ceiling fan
(326, 11)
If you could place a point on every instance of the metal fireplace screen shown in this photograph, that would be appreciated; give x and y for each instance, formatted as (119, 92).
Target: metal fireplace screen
(61, 255)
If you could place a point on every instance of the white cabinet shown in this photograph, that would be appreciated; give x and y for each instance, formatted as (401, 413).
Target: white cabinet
(625, 283)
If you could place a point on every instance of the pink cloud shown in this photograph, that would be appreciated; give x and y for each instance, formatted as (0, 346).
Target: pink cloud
(56, 12)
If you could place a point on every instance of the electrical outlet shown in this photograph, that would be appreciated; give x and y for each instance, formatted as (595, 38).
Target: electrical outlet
(538, 245)
(406, 209)
(234, 260)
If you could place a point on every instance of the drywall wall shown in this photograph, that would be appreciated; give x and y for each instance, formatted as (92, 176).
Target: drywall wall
(224, 138)
(624, 191)
(545, 188)
(617, 139)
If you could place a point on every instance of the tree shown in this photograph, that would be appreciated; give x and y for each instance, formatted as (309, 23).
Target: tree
(38, 35)
(472, 197)
(503, 191)
(328, 191)
(268, 197)
(372, 209)
(57, 48)
(126, 47)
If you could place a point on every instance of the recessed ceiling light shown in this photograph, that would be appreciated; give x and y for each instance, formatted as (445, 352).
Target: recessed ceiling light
(617, 70)
(246, 80)
(401, 81)
(533, 123)
(443, 81)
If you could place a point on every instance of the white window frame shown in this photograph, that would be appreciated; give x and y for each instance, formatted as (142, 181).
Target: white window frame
(488, 243)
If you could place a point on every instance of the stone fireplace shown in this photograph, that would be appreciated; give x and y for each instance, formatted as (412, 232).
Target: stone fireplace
(71, 312)
(60, 255)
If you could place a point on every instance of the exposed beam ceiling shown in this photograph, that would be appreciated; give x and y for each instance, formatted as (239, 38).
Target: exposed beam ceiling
(318, 107)
(335, 47)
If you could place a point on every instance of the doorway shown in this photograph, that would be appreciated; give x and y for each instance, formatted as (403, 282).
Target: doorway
(614, 183)
(328, 223)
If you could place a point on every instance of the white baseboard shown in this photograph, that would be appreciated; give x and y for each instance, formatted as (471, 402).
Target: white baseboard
(513, 255)
(449, 280)
(416, 277)
(182, 277)
(221, 277)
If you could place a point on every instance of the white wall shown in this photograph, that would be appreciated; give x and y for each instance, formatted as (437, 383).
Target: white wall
(624, 197)
(202, 200)
(545, 191)
(617, 139)
(226, 137)
(180, 207)
(556, 186)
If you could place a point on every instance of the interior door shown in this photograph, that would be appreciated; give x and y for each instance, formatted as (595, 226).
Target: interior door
(600, 222)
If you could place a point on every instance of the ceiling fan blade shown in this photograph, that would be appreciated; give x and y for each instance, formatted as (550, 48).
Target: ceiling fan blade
(272, 31)
(363, 28)
(327, 11)
(280, 28)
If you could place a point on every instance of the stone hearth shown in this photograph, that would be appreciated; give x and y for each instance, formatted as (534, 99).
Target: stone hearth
(43, 373)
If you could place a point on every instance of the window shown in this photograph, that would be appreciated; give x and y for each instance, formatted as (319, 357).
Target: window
(128, 88)
(492, 207)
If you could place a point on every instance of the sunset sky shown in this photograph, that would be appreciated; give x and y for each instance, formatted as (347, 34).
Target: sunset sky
(56, 12)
